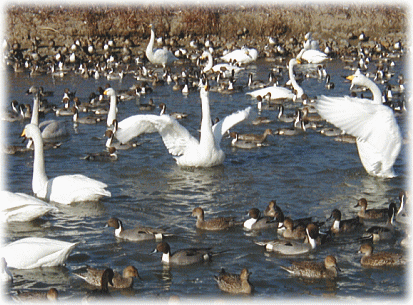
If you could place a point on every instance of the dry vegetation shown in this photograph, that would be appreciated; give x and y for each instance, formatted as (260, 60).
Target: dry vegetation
(65, 23)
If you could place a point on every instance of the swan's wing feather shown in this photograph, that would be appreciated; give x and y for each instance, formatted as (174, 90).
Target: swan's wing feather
(220, 128)
(378, 135)
(134, 126)
(175, 137)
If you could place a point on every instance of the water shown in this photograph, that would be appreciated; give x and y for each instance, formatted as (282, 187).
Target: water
(307, 175)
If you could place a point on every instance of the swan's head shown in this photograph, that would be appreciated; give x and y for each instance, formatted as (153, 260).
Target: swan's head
(29, 130)
(204, 55)
(109, 92)
(358, 79)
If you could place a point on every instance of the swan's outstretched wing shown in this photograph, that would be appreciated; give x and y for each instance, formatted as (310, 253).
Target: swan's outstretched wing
(370, 123)
(220, 128)
(175, 137)
(134, 126)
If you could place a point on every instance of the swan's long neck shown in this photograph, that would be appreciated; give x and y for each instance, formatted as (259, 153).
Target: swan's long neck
(294, 83)
(207, 137)
(39, 172)
(149, 48)
(375, 90)
(112, 111)
(210, 62)
(35, 114)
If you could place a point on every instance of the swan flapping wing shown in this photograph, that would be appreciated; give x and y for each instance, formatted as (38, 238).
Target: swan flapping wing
(175, 137)
(220, 128)
(378, 135)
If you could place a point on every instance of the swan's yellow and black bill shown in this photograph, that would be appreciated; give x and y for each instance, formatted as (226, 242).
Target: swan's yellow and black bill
(350, 77)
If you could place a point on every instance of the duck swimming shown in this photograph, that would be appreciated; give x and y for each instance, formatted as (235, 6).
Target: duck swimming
(234, 283)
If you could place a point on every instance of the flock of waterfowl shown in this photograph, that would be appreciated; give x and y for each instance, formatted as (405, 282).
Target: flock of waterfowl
(371, 123)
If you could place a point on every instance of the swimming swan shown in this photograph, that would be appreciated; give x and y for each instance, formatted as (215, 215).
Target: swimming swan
(64, 189)
(34, 252)
(162, 57)
(22, 207)
(185, 148)
(282, 92)
(372, 123)
(242, 56)
(226, 69)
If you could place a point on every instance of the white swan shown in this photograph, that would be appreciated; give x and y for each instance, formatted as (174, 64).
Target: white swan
(113, 110)
(35, 252)
(162, 57)
(312, 56)
(226, 69)
(21, 207)
(64, 189)
(372, 123)
(277, 92)
(242, 56)
(185, 148)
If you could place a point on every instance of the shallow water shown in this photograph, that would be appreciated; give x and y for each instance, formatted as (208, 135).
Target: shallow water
(307, 175)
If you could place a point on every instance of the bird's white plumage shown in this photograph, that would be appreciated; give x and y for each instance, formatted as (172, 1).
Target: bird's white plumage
(186, 149)
(162, 56)
(64, 189)
(34, 252)
(19, 207)
(372, 123)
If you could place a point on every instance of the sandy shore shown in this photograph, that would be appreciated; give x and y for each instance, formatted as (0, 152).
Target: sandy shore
(229, 26)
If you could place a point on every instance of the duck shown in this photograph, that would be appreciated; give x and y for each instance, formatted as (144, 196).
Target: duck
(282, 117)
(138, 233)
(186, 149)
(110, 135)
(228, 70)
(259, 222)
(184, 256)
(309, 269)
(103, 292)
(291, 231)
(329, 84)
(175, 115)
(88, 120)
(161, 57)
(380, 259)
(64, 189)
(297, 129)
(243, 144)
(35, 252)
(386, 232)
(374, 125)
(272, 209)
(234, 283)
(344, 226)
(93, 276)
(254, 84)
(20, 207)
(147, 107)
(253, 138)
(16, 114)
(36, 296)
(291, 247)
(104, 156)
(370, 213)
(402, 215)
(213, 224)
